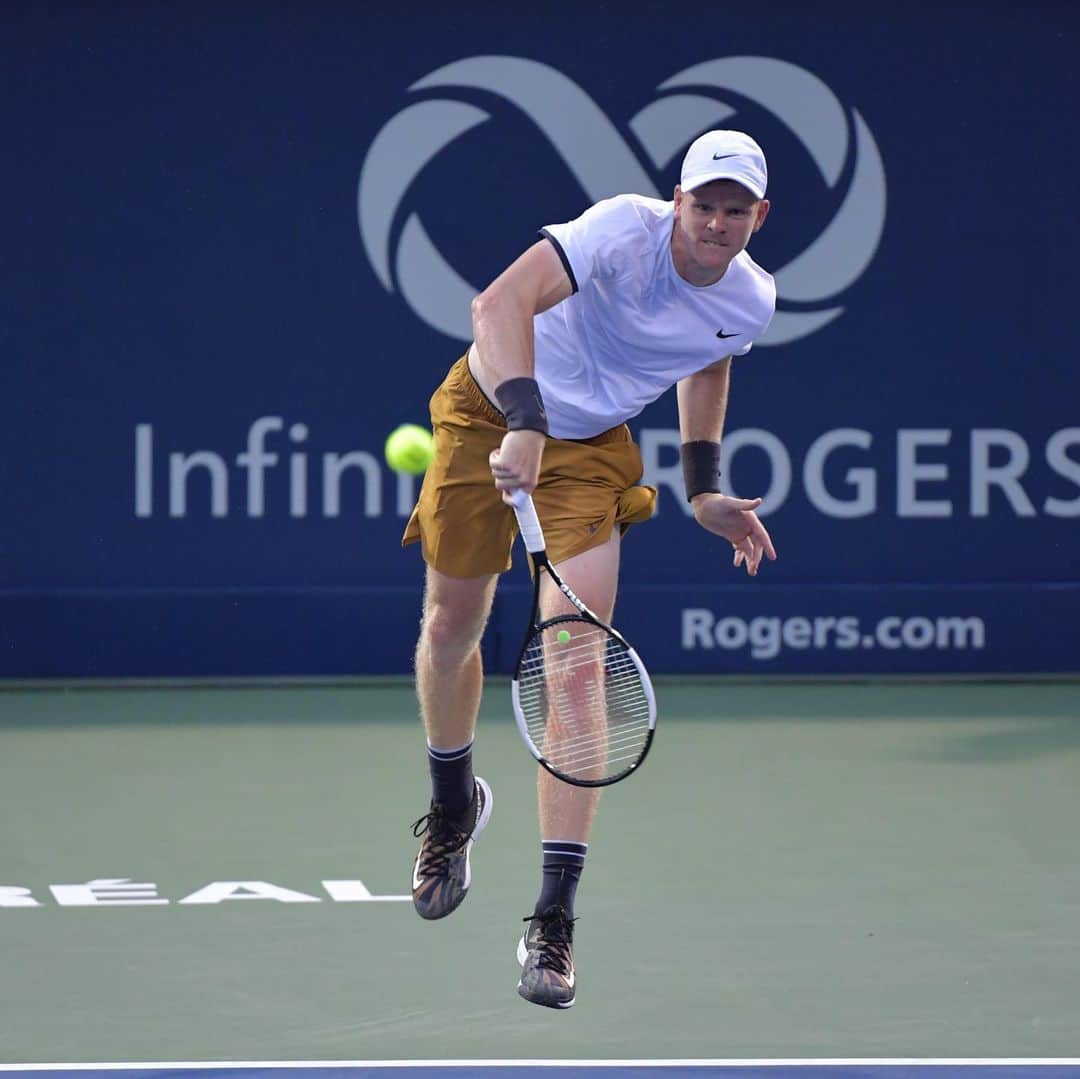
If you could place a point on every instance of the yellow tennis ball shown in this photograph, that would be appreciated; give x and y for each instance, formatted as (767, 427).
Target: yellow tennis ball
(563, 636)
(409, 448)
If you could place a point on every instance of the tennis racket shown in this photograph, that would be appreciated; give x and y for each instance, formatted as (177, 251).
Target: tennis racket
(582, 698)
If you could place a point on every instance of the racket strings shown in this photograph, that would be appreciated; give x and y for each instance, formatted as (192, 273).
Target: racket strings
(583, 700)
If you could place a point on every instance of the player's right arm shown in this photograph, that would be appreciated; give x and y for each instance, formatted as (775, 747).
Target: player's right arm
(502, 318)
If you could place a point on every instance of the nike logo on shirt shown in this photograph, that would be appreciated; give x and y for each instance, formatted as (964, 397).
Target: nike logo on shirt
(722, 335)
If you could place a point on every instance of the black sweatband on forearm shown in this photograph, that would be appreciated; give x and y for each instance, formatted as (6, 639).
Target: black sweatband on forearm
(700, 468)
(520, 402)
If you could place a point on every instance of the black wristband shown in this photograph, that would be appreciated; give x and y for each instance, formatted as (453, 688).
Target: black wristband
(700, 468)
(520, 402)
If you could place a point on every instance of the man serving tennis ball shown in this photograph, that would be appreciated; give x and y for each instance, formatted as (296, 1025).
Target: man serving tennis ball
(593, 322)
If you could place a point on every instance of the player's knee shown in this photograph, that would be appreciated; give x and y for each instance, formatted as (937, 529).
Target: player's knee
(450, 630)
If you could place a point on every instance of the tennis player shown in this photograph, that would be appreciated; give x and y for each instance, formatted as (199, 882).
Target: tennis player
(593, 322)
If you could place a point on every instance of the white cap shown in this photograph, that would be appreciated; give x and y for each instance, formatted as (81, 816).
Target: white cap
(725, 155)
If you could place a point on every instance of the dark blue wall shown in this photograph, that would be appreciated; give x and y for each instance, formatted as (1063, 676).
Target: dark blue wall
(218, 215)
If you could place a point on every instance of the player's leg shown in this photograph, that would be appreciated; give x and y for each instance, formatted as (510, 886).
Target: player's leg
(449, 682)
(449, 670)
(466, 532)
(566, 811)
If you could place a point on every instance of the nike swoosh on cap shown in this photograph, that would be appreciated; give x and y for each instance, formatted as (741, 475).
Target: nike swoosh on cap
(720, 157)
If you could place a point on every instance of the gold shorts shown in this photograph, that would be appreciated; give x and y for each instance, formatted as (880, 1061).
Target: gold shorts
(464, 527)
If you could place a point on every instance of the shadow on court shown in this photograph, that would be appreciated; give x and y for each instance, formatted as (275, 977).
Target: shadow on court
(1022, 739)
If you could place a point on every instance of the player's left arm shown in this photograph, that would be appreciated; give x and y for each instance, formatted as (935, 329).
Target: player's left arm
(703, 398)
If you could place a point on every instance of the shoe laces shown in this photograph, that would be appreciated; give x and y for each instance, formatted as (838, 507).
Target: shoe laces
(554, 939)
(444, 838)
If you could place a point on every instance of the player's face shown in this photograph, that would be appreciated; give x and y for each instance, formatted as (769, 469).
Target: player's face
(713, 223)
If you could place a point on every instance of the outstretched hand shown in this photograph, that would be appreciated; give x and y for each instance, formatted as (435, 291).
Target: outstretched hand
(736, 521)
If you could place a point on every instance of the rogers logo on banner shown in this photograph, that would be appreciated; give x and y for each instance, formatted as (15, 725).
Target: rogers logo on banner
(598, 156)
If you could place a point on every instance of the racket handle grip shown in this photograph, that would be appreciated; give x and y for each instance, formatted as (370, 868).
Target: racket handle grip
(528, 522)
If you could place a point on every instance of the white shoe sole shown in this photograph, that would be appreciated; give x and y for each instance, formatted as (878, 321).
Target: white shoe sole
(481, 824)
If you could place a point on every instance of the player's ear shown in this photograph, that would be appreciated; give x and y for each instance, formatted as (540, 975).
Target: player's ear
(678, 197)
(762, 213)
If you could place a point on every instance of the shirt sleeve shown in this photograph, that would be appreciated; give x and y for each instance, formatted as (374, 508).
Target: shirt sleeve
(598, 243)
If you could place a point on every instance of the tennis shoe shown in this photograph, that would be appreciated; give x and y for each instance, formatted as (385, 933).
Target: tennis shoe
(441, 873)
(546, 955)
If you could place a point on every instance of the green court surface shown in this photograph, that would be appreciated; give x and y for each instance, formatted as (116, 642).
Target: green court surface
(840, 870)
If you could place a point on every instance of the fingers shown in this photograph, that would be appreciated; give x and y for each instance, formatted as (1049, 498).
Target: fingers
(755, 545)
(747, 553)
(508, 478)
(515, 464)
(766, 542)
(499, 471)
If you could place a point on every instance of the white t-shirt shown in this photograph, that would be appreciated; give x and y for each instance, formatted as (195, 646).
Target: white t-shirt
(633, 327)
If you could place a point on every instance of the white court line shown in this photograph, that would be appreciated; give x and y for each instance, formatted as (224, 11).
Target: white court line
(831, 1062)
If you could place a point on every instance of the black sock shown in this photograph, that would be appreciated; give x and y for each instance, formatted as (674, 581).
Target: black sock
(563, 862)
(452, 782)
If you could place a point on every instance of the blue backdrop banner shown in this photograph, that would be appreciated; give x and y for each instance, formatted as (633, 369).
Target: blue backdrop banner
(240, 244)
